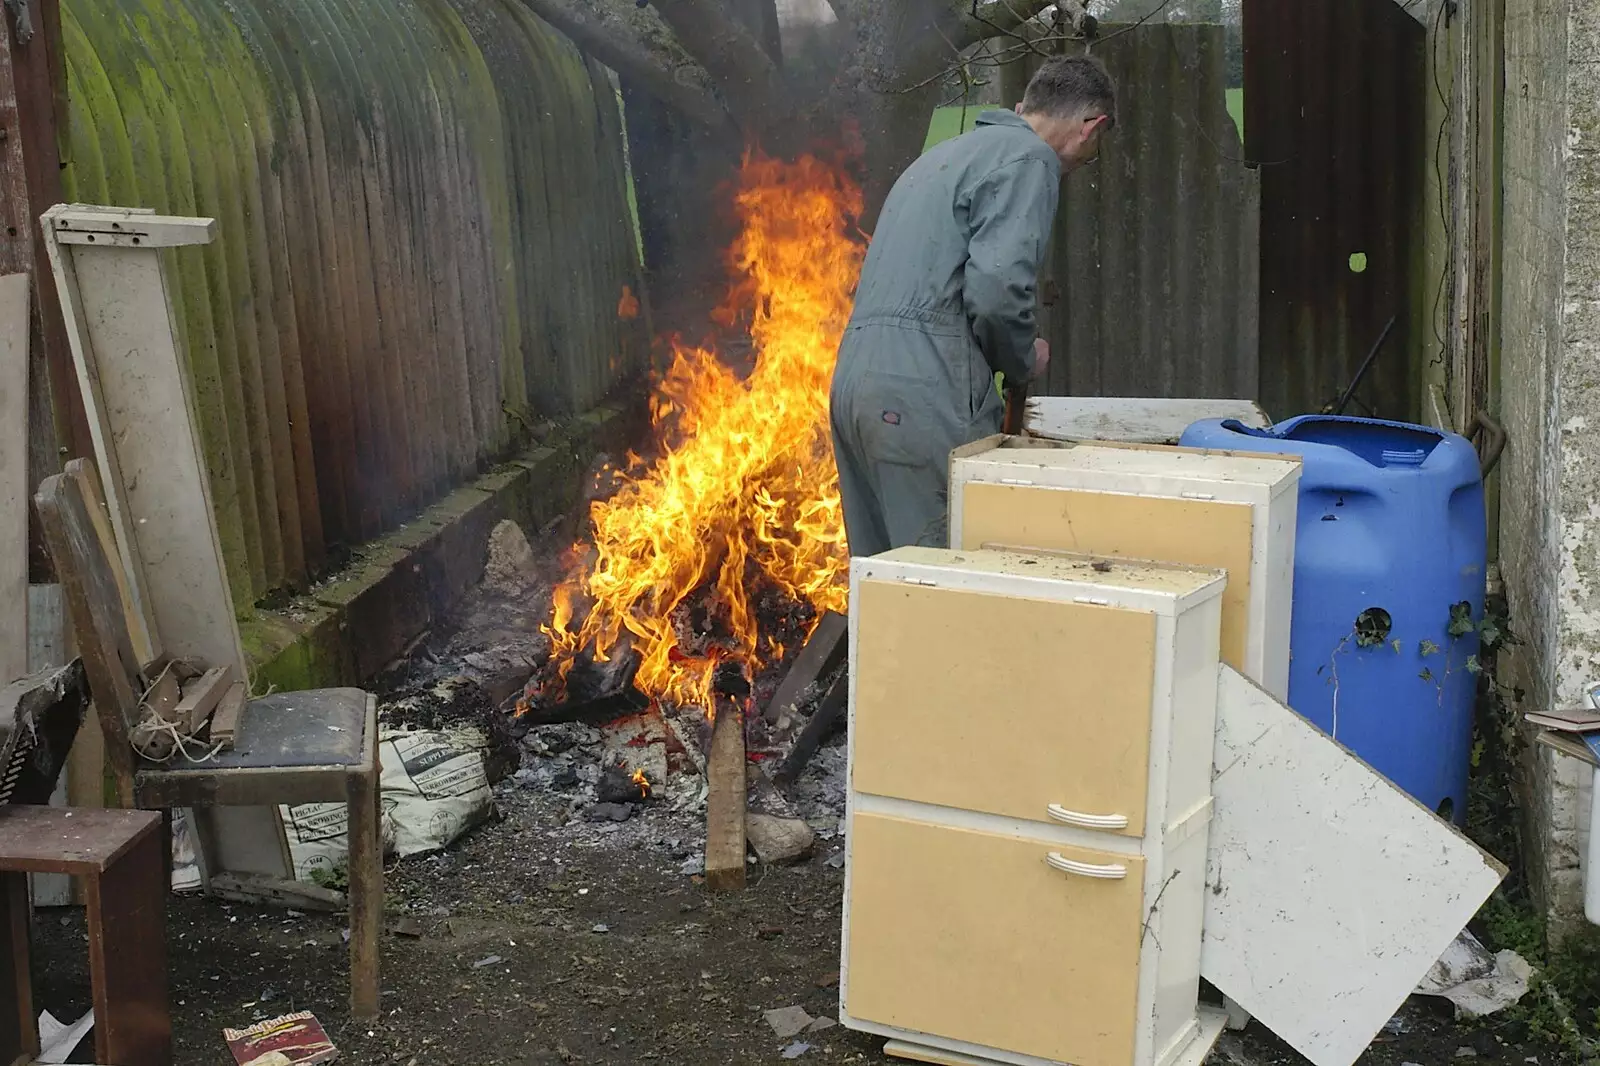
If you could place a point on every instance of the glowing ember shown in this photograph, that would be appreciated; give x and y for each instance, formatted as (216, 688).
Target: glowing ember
(744, 495)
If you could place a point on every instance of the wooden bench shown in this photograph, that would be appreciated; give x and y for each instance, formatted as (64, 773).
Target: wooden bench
(119, 856)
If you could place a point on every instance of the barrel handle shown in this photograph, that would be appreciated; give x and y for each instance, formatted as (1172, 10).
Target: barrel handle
(1489, 438)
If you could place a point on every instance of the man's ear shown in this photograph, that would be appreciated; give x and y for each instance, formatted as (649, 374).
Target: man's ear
(1018, 108)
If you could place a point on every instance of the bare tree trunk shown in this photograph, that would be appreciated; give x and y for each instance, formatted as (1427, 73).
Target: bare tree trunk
(760, 17)
(894, 127)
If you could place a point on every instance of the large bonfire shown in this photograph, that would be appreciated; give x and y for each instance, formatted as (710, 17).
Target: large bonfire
(738, 509)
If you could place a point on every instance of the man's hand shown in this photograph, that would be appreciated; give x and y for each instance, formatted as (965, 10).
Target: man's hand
(1041, 358)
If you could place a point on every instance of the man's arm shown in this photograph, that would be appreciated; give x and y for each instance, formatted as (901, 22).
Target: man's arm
(1012, 211)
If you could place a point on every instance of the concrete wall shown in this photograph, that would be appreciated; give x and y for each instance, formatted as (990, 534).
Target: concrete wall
(1550, 389)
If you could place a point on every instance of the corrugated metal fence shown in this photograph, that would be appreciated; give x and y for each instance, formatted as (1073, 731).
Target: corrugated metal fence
(1155, 260)
(424, 240)
(1334, 97)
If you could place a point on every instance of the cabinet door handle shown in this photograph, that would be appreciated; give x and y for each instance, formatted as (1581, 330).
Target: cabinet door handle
(1114, 872)
(1087, 821)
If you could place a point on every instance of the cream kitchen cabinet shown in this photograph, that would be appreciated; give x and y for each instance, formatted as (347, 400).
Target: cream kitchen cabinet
(1029, 799)
(1228, 510)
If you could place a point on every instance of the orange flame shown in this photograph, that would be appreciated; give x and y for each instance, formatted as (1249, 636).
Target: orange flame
(745, 483)
(643, 782)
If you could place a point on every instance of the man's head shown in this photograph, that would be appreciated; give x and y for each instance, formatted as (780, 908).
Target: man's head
(1069, 102)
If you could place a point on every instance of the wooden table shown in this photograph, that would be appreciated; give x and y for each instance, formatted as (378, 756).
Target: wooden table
(119, 855)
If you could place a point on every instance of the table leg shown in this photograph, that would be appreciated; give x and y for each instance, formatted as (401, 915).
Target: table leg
(19, 1032)
(128, 957)
(364, 897)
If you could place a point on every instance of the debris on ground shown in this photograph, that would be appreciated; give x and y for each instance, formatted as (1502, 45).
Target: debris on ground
(291, 1040)
(1477, 981)
(58, 1040)
(788, 1022)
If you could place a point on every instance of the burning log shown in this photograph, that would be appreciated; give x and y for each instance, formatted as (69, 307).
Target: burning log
(725, 778)
(592, 693)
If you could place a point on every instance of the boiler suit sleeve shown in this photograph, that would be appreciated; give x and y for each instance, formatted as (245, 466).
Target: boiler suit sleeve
(1012, 211)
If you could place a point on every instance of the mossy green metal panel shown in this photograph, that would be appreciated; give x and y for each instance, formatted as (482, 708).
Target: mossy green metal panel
(423, 235)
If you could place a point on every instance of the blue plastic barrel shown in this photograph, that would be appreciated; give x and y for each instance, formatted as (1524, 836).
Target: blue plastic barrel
(1388, 591)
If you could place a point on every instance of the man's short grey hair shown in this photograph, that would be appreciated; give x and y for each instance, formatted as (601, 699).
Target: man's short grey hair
(1071, 87)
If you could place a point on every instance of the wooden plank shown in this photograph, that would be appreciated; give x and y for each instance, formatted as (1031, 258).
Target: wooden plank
(275, 892)
(70, 842)
(823, 651)
(147, 446)
(146, 646)
(15, 484)
(365, 897)
(19, 1033)
(225, 720)
(32, 107)
(201, 696)
(126, 909)
(725, 801)
(1331, 892)
(829, 710)
(1130, 420)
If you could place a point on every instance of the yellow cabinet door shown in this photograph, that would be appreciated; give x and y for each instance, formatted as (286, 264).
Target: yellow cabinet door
(1031, 709)
(978, 937)
(1209, 533)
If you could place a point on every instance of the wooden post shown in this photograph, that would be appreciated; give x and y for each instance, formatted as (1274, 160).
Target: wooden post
(725, 799)
(32, 118)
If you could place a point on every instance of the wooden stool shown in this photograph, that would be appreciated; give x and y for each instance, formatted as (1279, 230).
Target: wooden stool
(119, 854)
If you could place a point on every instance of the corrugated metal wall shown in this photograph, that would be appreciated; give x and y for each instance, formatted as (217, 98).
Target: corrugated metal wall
(423, 240)
(1334, 97)
(1155, 256)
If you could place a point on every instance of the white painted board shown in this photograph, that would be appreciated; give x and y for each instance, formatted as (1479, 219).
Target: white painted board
(1331, 893)
(1131, 419)
(14, 488)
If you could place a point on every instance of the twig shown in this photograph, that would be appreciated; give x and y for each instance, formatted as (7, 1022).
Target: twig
(1152, 13)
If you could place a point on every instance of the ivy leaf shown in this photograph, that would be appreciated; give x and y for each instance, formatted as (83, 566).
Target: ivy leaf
(1396, 647)
(1426, 675)
(1489, 629)
(1428, 648)
(1461, 620)
(1473, 666)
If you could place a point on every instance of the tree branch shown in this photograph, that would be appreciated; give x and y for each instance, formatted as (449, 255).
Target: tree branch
(609, 38)
(747, 78)
(994, 18)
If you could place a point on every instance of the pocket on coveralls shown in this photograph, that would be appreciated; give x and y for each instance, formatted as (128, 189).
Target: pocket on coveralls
(900, 421)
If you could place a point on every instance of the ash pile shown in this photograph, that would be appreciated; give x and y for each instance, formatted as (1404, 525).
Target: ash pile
(613, 767)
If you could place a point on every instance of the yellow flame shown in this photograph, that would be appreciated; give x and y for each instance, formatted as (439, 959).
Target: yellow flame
(643, 782)
(745, 480)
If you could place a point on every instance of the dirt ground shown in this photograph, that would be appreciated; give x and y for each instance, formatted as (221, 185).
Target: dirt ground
(551, 935)
(601, 954)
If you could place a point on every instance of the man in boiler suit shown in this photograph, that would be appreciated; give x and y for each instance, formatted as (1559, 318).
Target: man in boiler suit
(946, 300)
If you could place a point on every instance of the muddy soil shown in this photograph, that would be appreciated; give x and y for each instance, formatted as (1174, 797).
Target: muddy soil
(542, 945)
